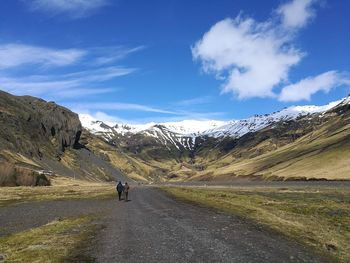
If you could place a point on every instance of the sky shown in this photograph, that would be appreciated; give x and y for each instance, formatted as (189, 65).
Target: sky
(136, 61)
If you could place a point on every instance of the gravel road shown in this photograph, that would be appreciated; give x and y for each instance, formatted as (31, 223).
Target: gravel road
(154, 227)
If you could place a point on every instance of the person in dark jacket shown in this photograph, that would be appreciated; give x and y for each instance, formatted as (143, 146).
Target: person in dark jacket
(120, 189)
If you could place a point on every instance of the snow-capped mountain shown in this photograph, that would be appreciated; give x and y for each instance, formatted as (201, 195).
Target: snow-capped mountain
(238, 128)
(183, 134)
(180, 134)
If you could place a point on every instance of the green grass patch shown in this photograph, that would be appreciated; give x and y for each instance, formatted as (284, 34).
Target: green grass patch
(65, 191)
(318, 218)
(57, 241)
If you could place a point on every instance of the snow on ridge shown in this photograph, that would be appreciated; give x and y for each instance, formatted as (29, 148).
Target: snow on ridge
(345, 101)
(92, 124)
(238, 128)
(193, 128)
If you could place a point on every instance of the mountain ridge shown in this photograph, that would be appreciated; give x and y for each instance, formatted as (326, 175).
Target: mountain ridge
(184, 133)
(296, 143)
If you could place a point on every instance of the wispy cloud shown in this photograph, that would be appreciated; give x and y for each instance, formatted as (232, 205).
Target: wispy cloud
(99, 111)
(72, 8)
(79, 84)
(254, 58)
(100, 74)
(112, 119)
(303, 89)
(14, 55)
(18, 76)
(114, 53)
(193, 101)
(99, 106)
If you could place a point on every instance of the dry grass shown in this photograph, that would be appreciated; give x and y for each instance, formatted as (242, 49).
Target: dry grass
(19, 158)
(7, 171)
(135, 169)
(62, 188)
(33, 245)
(323, 153)
(319, 218)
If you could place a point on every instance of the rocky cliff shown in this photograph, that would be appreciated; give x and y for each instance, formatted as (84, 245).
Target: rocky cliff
(33, 126)
(38, 135)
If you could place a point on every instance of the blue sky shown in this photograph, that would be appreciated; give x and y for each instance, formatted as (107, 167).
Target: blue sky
(139, 61)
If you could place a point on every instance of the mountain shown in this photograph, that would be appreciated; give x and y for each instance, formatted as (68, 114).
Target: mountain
(201, 150)
(183, 134)
(299, 142)
(238, 128)
(36, 135)
(180, 134)
(315, 146)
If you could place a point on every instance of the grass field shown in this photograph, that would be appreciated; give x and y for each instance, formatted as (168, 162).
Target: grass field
(33, 245)
(62, 188)
(316, 217)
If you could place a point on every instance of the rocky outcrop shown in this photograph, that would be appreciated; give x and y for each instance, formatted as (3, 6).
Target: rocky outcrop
(59, 123)
(35, 127)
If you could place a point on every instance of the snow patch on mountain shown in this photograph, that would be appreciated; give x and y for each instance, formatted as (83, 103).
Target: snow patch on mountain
(92, 124)
(184, 133)
(192, 127)
(238, 128)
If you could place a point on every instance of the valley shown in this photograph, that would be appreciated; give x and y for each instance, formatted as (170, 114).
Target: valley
(174, 131)
(288, 145)
(257, 186)
(259, 223)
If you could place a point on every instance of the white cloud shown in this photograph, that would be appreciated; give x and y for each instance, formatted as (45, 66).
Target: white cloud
(98, 109)
(20, 65)
(296, 13)
(100, 74)
(80, 92)
(254, 58)
(112, 54)
(106, 118)
(14, 55)
(81, 107)
(303, 89)
(72, 8)
(111, 119)
(35, 85)
(193, 101)
(43, 84)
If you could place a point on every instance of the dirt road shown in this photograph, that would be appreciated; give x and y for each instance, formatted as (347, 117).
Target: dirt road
(154, 227)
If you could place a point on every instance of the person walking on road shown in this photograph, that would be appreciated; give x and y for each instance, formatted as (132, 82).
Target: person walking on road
(126, 191)
(120, 189)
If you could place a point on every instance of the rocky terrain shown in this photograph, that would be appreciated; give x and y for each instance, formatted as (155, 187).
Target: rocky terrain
(263, 146)
(296, 143)
(36, 135)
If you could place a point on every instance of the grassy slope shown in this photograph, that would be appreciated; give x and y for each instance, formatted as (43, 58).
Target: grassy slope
(33, 245)
(322, 153)
(140, 167)
(319, 218)
(62, 188)
(66, 237)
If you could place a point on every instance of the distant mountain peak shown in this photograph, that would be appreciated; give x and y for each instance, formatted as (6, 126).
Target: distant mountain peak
(177, 133)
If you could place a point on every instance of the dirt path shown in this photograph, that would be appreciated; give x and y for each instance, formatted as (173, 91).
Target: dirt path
(153, 227)
(156, 228)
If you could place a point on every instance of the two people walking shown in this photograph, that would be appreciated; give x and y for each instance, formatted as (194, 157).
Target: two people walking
(123, 188)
